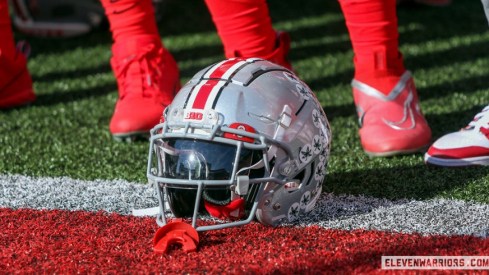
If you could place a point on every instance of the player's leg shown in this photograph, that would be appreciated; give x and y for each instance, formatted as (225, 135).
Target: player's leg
(384, 92)
(246, 30)
(147, 75)
(15, 80)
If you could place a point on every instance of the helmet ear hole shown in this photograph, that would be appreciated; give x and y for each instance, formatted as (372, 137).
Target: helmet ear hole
(300, 175)
(305, 175)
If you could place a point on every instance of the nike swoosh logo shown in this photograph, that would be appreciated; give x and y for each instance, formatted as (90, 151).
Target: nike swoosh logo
(408, 113)
(124, 10)
(361, 115)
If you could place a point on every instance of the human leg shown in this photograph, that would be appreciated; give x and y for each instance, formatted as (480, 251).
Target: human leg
(384, 92)
(246, 30)
(147, 75)
(15, 80)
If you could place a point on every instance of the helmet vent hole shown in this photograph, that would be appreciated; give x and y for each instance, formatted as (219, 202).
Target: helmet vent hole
(300, 109)
(311, 173)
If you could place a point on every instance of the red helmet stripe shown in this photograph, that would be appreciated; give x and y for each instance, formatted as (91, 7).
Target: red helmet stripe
(212, 82)
(221, 70)
(203, 94)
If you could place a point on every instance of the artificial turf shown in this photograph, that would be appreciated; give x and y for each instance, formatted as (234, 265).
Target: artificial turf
(65, 131)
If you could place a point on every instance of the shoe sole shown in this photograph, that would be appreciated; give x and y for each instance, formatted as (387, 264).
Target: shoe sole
(132, 136)
(398, 152)
(440, 162)
(14, 94)
(8, 108)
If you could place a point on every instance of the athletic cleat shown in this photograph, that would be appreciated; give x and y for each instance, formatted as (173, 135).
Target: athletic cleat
(392, 124)
(15, 80)
(467, 147)
(279, 55)
(436, 3)
(148, 79)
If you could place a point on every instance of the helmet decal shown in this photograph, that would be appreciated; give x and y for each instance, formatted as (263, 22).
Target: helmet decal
(322, 154)
(317, 144)
(319, 174)
(242, 127)
(303, 91)
(291, 77)
(305, 199)
(193, 115)
(316, 118)
(305, 154)
(293, 212)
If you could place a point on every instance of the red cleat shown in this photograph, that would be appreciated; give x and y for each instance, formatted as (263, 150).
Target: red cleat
(392, 124)
(279, 55)
(148, 79)
(15, 81)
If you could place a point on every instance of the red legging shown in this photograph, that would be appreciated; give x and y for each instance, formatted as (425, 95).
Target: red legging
(244, 26)
(246, 30)
(130, 18)
(372, 25)
(7, 44)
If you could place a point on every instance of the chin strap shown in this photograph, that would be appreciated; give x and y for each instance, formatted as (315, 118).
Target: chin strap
(232, 211)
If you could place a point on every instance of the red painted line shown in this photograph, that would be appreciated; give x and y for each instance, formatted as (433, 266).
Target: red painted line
(65, 242)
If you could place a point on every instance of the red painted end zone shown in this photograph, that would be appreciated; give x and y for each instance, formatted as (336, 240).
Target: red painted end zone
(81, 242)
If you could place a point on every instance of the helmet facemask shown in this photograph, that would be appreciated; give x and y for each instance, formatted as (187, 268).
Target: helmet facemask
(213, 170)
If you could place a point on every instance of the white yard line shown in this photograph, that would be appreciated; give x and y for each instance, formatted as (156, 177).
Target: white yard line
(71, 194)
(435, 216)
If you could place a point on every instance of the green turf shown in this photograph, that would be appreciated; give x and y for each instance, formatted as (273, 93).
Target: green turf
(65, 132)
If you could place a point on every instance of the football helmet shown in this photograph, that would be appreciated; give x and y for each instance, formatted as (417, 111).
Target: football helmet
(62, 18)
(244, 138)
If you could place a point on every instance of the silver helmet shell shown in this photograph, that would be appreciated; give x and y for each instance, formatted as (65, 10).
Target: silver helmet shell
(249, 105)
(62, 18)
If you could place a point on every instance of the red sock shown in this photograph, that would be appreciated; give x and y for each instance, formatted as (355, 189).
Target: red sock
(372, 25)
(244, 26)
(7, 43)
(130, 18)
